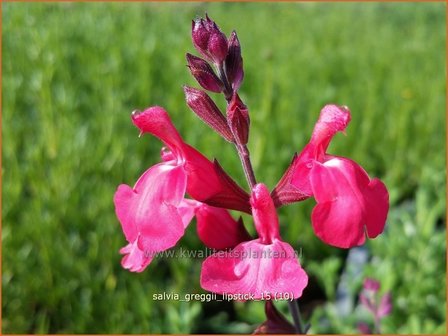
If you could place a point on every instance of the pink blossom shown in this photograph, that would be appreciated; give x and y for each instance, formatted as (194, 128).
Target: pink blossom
(154, 213)
(349, 203)
(260, 266)
(379, 306)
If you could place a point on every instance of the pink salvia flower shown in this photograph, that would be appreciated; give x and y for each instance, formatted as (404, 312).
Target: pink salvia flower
(260, 266)
(154, 213)
(349, 203)
(149, 212)
(379, 306)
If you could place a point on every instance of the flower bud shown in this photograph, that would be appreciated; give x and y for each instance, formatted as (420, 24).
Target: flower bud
(238, 119)
(200, 35)
(234, 62)
(209, 40)
(204, 107)
(204, 74)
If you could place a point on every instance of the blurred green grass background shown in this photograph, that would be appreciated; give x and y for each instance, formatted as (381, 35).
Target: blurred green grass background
(71, 74)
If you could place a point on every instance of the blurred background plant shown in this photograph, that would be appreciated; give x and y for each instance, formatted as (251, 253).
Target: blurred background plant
(73, 72)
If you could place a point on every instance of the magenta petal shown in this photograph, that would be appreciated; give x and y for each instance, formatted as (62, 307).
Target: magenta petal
(348, 202)
(343, 193)
(217, 229)
(151, 207)
(377, 206)
(162, 230)
(123, 200)
(255, 269)
(332, 119)
(156, 121)
(162, 183)
(187, 210)
(336, 229)
(135, 259)
(264, 213)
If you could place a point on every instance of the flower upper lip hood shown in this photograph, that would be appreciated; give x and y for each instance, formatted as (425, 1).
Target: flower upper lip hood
(349, 204)
(332, 119)
(294, 186)
(156, 121)
(206, 181)
(264, 213)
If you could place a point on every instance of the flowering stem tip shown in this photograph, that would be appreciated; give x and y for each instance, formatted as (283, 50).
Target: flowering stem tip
(155, 212)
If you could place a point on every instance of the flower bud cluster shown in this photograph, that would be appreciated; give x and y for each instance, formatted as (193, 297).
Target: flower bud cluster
(225, 56)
